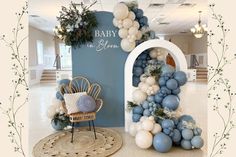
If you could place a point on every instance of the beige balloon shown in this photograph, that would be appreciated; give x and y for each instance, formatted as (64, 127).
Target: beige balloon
(153, 54)
(131, 15)
(136, 24)
(115, 22)
(133, 30)
(126, 45)
(139, 35)
(127, 23)
(120, 11)
(123, 33)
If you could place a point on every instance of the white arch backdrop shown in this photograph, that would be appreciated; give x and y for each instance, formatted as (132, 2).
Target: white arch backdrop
(176, 53)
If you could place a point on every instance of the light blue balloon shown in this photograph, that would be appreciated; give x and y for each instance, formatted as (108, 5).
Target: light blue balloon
(197, 142)
(167, 123)
(166, 131)
(86, 103)
(151, 98)
(59, 96)
(145, 104)
(150, 109)
(158, 99)
(136, 117)
(187, 134)
(176, 91)
(167, 69)
(171, 102)
(137, 110)
(162, 81)
(181, 77)
(162, 143)
(186, 144)
(176, 136)
(146, 113)
(165, 90)
(186, 118)
(172, 84)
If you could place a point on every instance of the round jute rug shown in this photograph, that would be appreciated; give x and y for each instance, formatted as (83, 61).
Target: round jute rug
(59, 144)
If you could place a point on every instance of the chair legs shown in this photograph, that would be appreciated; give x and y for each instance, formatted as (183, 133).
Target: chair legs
(94, 130)
(72, 132)
(89, 126)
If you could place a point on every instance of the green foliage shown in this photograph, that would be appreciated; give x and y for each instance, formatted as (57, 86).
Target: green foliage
(76, 27)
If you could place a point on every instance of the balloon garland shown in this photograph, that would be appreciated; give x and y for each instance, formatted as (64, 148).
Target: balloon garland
(156, 121)
(133, 26)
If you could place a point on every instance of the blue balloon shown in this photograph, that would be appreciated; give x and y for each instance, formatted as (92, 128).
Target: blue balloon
(197, 142)
(137, 71)
(151, 98)
(150, 109)
(186, 118)
(165, 90)
(58, 125)
(146, 113)
(172, 84)
(139, 13)
(136, 117)
(86, 103)
(176, 91)
(136, 81)
(181, 77)
(59, 96)
(64, 81)
(167, 123)
(135, 10)
(158, 99)
(187, 134)
(171, 102)
(162, 81)
(143, 56)
(166, 131)
(137, 110)
(186, 144)
(162, 143)
(138, 63)
(167, 69)
(152, 34)
(176, 137)
(143, 20)
(145, 104)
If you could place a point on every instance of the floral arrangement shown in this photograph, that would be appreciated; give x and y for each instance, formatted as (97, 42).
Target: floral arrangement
(76, 26)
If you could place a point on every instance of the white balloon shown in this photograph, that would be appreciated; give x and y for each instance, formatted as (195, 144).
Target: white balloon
(139, 35)
(147, 125)
(131, 15)
(136, 24)
(143, 118)
(139, 126)
(156, 129)
(123, 33)
(143, 78)
(115, 22)
(133, 31)
(133, 129)
(143, 139)
(144, 87)
(120, 21)
(150, 80)
(120, 11)
(153, 54)
(139, 96)
(127, 23)
(151, 118)
(126, 45)
(161, 58)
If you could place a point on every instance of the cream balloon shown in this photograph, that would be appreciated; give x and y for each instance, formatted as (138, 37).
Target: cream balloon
(123, 33)
(143, 78)
(147, 125)
(133, 129)
(131, 15)
(127, 23)
(139, 96)
(140, 85)
(115, 22)
(120, 11)
(133, 30)
(120, 26)
(153, 54)
(161, 58)
(151, 118)
(144, 87)
(155, 88)
(126, 45)
(139, 35)
(143, 139)
(136, 24)
(156, 129)
(143, 118)
(150, 80)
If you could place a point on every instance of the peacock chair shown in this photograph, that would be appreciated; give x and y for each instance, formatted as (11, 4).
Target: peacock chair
(81, 84)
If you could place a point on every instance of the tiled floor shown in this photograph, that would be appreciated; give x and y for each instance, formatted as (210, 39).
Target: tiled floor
(193, 102)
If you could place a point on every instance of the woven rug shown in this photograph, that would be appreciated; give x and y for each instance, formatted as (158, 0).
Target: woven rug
(58, 144)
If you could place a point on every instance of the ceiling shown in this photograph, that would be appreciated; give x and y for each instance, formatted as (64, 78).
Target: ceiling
(164, 16)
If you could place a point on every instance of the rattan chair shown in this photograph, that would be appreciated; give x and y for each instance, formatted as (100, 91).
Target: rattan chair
(81, 84)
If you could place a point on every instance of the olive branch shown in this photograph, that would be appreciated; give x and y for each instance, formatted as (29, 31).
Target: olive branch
(219, 89)
(19, 82)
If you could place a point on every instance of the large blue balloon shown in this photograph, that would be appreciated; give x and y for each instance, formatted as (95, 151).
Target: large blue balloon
(197, 142)
(172, 84)
(167, 69)
(181, 77)
(137, 71)
(162, 143)
(64, 81)
(86, 103)
(136, 117)
(171, 102)
(137, 110)
(59, 96)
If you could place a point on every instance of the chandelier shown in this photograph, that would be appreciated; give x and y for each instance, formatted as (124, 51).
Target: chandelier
(199, 30)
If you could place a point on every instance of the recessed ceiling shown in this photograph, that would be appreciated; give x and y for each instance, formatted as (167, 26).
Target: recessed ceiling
(164, 16)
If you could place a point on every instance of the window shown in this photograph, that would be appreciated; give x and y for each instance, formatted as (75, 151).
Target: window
(39, 51)
(65, 52)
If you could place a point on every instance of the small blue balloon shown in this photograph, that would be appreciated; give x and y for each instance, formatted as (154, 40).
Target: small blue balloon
(138, 63)
(158, 99)
(162, 81)
(165, 90)
(181, 77)
(176, 91)
(151, 98)
(146, 113)
(171, 102)
(137, 71)
(143, 20)
(136, 81)
(139, 13)
(59, 96)
(150, 109)
(137, 110)
(166, 131)
(186, 144)
(176, 136)
(161, 95)
(197, 142)
(150, 104)
(187, 134)
(136, 117)
(186, 118)
(143, 56)
(162, 143)
(172, 84)
(145, 104)
(135, 10)
(64, 81)
(167, 69)
(167, 123)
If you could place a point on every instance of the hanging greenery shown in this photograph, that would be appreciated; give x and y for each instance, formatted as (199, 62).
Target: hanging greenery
(76, 26)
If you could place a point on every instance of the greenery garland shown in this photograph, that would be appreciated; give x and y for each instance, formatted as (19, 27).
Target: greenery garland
(76, 27)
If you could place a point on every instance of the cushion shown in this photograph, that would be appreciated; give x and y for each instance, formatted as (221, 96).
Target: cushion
(70, 101)
(86, 103)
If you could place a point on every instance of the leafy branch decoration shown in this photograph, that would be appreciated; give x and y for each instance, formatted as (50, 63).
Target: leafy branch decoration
(19, 69)
(219, 89)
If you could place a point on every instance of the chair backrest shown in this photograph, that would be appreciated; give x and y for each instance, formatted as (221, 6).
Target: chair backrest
(79, 84)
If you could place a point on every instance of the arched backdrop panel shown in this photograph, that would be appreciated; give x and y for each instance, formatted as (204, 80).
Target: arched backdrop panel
(176, 53)
(103, 62)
